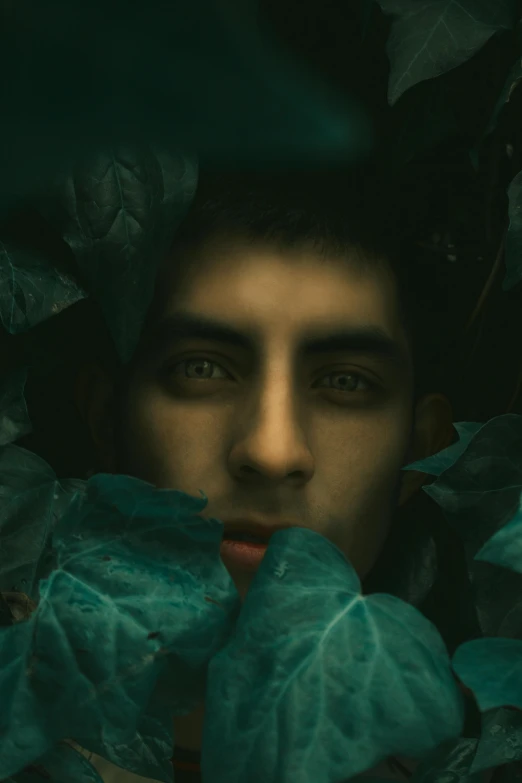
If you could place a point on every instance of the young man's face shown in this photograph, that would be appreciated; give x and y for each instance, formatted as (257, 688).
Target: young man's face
(273, 429)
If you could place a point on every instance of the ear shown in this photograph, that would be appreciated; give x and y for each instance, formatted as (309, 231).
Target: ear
(93, 393)
(433, 431)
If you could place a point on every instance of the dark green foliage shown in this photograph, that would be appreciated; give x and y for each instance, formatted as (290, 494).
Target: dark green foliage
(431, 37)
(108, 110)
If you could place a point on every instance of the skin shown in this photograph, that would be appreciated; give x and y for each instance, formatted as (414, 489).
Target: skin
(271, 432)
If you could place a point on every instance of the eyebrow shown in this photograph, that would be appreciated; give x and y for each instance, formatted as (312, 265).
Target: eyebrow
(366, 339)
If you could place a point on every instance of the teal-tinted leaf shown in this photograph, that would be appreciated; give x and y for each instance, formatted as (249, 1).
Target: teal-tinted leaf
(148, 750)
(442, 460)
(31, 289)
(113, 625)
(431, 37)
(479, 494)
(513, 252)
(319, 682)
(193, 75)
(452, 760)
(505, 547)
(14, 416)
(492, 669)
(500, 739)
(62, 764)
(470, 490)
(118, 211)
(31, 499)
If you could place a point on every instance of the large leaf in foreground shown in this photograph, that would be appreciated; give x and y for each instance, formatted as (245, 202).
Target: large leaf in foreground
(139, 597)
(319, 682)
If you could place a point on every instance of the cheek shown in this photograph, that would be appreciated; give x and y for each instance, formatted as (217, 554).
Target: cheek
(365, 452)
(172, 445)
(364, 472)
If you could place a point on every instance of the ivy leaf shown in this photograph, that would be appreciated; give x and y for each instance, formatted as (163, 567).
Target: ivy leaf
(478, 663)
(437, 463)
(148, 751)
(505, 547)
(513, 252)
(492, 669)
(479, 495)
(62, 764)
(118, 212)
(31, 289)
(499, 741)
(430, 37)
(14, 416)
(113, 633)
(452, 760)
(339, 680)
(32, 500)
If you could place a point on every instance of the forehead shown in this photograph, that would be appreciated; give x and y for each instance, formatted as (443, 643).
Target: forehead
(290, 287)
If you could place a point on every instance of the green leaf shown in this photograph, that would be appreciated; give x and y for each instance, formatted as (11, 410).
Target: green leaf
(513, 251)
(31, 289)
(329, 679)
(14, 416)
(500, 737)
(479, 495)
(492, 669)
(505, 547)
(62, 764)
(452, 760)
(32, 500)
(113, 633)
(437, 463)
(118, 212)
(430, 37)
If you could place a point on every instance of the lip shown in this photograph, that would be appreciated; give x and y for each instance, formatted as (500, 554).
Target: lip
(244, 555)
(247, 555)
(255, 527)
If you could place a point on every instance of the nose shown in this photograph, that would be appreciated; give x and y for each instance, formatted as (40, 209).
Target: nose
(270, 440)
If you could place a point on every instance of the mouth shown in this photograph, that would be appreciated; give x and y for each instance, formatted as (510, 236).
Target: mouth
(242, 552)
(245, 537)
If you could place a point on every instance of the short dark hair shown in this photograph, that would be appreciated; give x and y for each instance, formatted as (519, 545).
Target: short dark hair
(335, 211)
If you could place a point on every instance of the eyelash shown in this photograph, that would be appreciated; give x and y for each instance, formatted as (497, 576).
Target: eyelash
(372, 386)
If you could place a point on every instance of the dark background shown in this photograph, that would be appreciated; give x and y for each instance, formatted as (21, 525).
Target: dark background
(454, 205)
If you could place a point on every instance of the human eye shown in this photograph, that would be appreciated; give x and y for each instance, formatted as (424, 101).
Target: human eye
(197, 368)
(351, 382)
